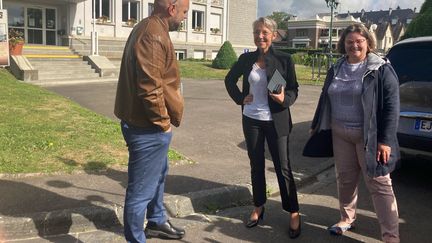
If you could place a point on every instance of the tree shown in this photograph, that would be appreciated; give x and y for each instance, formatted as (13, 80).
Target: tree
(422, 24)
(226, 57)
(281, 19)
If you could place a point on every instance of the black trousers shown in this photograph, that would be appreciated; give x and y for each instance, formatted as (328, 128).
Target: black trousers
(256, 132)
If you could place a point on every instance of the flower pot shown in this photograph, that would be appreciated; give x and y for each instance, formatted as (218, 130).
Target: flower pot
(16, 49)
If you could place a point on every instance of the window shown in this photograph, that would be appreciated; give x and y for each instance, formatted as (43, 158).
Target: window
(301, 32)
(180, 54)
(199, 54)
(215, 23)
(130, 10)
(15, 15)
(324, 32)
(198, 20)
(183, 25)
(300, 45)
(150, 9)
(322, 45)
(103, 9)
(214, 54)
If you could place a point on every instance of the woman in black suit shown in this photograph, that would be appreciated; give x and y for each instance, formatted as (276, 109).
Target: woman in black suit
(266, 116)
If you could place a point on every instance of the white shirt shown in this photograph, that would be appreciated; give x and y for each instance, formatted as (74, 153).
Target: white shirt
(258, 109)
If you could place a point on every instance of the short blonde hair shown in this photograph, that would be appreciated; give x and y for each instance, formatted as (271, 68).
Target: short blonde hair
(267, 22)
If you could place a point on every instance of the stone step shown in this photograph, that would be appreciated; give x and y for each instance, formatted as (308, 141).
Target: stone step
(64, 68)
(48, 52)
(101, 47)
(53, 59)
(58, 64)
(68, 71)
(61, 76)
(108, 53)
(46, 47)
(53, 56)
(52, 82)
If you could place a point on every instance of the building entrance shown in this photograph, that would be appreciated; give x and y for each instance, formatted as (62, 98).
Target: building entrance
(39, 24)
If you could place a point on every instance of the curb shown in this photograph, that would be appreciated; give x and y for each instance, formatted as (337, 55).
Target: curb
(60, 222)
(104, 216)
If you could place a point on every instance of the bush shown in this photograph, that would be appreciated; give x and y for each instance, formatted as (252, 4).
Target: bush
(312, 59)
(226, 57)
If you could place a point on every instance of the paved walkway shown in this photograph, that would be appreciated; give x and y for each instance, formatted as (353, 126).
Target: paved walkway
(210, 135)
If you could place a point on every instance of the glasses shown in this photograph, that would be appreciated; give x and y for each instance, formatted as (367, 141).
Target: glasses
(264, 33)
(352, 42)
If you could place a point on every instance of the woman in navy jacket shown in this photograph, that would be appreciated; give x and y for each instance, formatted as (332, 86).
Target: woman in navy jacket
(360, 104)
(266, 116)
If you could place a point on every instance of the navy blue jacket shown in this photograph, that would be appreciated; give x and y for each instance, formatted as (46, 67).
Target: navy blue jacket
(380, 99)
(274, 60)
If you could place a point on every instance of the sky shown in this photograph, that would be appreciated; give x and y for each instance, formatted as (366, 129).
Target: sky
(308, 8)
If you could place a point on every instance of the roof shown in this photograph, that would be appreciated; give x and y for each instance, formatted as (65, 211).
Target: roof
(397, 19)
(397, 29)
(381, 30)
(382, 16)
(281, 35)
(415, 39)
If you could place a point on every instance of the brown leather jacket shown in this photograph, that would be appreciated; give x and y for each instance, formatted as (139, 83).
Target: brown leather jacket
(148, 90)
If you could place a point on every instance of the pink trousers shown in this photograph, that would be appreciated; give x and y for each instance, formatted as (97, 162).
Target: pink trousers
(349, 154)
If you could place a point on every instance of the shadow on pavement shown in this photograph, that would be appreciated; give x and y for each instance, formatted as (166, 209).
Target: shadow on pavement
(49, 218)
(274, 227)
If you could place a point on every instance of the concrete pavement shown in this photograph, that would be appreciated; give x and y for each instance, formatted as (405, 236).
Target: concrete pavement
(210, 135)
(319, 209)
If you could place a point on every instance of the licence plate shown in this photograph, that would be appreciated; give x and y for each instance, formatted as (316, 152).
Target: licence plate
(423, 125)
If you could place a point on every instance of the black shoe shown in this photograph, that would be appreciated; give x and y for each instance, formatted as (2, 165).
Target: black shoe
(165, 230)
(253, 223)
(294, 233)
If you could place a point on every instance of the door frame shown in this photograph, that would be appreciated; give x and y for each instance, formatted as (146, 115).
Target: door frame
(44, 30)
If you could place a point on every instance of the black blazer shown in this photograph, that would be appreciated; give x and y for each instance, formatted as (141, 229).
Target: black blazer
(274, 60)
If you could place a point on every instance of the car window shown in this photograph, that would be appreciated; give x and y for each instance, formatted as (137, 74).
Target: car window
(412, 61)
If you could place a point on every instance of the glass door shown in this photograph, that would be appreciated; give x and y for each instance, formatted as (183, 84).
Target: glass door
(41, 26)
(34, 26)
(50, 26)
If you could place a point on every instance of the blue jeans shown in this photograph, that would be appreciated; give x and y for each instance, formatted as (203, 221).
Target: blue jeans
(147, 169)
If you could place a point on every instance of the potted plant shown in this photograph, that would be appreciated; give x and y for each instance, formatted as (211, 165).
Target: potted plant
(16, 41)
(215, 30)
(102, 19)
(131, 22)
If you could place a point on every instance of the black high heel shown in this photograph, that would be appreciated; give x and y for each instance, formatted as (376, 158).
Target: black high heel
(253, 223)
(294, 233)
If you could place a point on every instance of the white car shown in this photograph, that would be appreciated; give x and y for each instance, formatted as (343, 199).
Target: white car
(412, 61)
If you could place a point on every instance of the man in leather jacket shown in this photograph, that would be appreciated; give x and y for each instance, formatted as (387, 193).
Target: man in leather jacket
(148, 101)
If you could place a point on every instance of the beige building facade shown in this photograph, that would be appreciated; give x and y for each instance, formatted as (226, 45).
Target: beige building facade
(62, 22)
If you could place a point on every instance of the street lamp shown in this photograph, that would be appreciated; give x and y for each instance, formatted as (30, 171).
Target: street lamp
(332, 4)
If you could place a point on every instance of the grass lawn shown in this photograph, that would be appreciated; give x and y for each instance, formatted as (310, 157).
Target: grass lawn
(200, 70)
(41, 132)
(203, 70)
